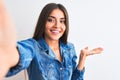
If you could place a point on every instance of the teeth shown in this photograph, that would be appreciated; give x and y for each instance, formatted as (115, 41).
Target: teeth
(56, 32)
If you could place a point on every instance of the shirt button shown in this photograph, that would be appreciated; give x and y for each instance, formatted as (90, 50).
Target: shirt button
(61, 68)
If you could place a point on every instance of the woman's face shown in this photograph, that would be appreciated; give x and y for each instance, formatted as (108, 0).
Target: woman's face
(55, 25)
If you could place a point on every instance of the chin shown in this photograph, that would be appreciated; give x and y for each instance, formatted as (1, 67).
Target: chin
(55, 38)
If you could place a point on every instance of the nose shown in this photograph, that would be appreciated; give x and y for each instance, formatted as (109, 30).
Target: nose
(57, 24)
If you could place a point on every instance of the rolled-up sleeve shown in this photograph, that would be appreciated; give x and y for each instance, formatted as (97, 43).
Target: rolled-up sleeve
(26, 51)
(77, 74)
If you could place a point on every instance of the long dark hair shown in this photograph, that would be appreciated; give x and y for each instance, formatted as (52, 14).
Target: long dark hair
(46, 11)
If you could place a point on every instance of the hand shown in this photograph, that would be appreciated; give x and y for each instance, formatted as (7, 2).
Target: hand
(7, 29)
(8, 56)
(85, 52)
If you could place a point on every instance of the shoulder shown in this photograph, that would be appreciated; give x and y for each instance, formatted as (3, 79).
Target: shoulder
(28, 42)
(68, 45)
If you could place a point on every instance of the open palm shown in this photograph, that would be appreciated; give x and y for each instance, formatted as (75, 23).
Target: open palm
(7, 30)
(7, 41)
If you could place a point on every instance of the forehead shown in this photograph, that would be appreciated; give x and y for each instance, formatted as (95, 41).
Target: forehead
(57, 13)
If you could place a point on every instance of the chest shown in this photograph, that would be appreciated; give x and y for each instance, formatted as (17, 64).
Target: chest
(49, 66)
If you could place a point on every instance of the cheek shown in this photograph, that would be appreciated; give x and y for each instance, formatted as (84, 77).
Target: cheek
(64, 28)
(46, 30)
(47, 27)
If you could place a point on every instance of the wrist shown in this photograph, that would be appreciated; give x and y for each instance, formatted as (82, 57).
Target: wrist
(81, 63)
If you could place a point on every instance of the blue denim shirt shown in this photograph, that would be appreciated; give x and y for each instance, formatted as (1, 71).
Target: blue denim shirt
(42, 64)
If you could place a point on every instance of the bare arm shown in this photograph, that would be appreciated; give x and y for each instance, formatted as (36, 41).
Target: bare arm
(84, 53)
(9, 56)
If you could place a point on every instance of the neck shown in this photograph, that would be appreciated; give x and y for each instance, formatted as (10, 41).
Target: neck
(53, 44)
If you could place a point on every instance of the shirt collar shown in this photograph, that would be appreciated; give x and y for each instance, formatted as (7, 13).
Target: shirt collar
(45, 47)
(43, 44)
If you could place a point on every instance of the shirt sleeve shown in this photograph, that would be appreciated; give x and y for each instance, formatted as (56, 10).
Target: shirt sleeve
(26, 51)
(77, 74)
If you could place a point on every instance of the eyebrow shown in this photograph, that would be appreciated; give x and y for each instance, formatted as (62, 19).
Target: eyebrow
(54, 17)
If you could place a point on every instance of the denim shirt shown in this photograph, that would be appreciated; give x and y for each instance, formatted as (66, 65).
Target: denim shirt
(42, 64)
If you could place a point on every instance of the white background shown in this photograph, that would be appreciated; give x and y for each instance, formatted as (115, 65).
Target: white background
(93, 23)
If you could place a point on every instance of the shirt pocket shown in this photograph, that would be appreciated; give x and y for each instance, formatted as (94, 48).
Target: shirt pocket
(48, 69)
(68, 68)
(51, 72)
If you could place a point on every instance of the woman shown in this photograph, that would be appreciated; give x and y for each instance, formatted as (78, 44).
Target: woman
(46, 56)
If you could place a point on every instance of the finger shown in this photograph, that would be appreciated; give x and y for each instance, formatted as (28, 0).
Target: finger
(7, 29)
(95, 51)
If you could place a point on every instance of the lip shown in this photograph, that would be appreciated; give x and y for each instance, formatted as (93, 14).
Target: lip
(55, 31)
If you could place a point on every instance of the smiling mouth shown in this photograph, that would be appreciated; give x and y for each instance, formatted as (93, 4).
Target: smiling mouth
(55, 31)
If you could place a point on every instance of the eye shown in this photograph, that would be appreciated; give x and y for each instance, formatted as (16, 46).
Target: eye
(51, 20)
(62, 21)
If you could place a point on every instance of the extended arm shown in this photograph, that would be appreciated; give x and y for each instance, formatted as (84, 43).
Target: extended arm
(9, 56)
(84, 53)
